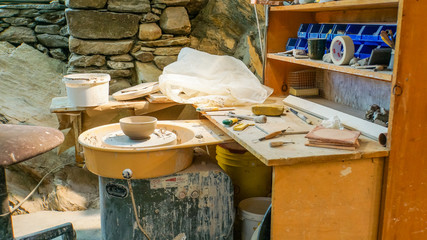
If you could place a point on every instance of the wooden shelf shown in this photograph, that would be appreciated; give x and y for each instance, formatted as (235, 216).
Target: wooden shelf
(339, 5)
(380, 75)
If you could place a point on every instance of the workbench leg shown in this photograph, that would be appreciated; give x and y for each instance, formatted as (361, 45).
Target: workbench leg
(76, 119)
(327, 201)
(6, 231)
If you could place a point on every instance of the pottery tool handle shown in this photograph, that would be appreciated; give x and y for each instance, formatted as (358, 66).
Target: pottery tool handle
(272, 135)
(230, 121)
(295, 133)
(278, 144)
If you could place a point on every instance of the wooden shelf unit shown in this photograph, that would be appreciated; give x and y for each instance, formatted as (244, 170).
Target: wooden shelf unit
(380, 75)
(339, 5)
(284, 22)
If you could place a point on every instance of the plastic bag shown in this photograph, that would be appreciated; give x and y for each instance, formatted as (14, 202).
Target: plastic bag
(201, 78)
(334, 123)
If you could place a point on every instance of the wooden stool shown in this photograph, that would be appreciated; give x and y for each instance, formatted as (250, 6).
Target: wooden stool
(19, 143)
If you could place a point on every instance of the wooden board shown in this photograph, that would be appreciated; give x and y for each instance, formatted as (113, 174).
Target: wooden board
(158, 98)
(327, 201)
(405, 213)
(290, 154)
(368, 129)
(137, 91)
(380, 75)
(339, 5)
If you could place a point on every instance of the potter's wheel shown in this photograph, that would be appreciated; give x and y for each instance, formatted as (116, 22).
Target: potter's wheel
(160, 137)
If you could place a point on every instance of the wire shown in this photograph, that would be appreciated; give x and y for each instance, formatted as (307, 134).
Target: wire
(259, 32)
(134, 210)
(33, 191)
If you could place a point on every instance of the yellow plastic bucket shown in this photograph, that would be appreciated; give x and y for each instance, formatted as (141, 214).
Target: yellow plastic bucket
(250, 177)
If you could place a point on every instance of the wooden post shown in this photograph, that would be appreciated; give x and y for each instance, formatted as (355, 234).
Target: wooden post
(5, 222)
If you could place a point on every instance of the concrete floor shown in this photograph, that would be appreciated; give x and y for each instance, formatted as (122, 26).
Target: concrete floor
(87, 224)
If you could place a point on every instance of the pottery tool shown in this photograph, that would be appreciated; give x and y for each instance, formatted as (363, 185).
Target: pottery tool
(279, 143)
(271, 135)
(242, 126)
(374, 67)
(257, 119)
(302, 117)
(211, 109)
(230, 121)
(295, 133)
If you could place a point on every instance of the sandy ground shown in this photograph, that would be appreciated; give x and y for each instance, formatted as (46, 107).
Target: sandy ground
(87, 224)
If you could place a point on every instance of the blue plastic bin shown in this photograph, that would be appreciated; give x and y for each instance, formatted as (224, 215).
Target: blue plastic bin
(301, 44)
(354, 31)
(324, 29)
(314, 30)
(291, 43)
(371, 33)
(303, 30)
(337, 30)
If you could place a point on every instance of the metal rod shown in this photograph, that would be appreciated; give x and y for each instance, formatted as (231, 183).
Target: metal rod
(6, 220)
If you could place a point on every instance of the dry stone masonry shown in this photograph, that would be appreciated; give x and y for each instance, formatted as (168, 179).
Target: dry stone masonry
(42, 26)
(132, 40)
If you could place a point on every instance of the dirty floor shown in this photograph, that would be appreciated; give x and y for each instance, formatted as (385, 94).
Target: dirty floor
(86, 223)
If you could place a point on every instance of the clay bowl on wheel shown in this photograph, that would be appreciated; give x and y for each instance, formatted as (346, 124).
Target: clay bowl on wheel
(138, 127)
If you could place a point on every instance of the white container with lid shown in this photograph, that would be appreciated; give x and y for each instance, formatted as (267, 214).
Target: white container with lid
(87, 89)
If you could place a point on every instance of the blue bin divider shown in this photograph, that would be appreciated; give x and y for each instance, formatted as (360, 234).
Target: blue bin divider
(354, 31)
(365, 51)
(291, 44)
(303, 30)
(337, 30)
(314, 30)
(301, 44)
(371, 32)
(324, 30)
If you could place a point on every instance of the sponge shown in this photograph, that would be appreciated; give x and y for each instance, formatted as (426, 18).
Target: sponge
(268, 109)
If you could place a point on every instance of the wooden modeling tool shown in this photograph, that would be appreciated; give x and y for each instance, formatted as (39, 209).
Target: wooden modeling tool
(279, 144)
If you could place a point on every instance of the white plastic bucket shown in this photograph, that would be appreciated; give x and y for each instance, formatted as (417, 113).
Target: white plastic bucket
(87, 89)
(251, 212)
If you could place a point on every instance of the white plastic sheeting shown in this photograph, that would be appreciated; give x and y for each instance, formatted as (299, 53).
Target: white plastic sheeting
(201, 78)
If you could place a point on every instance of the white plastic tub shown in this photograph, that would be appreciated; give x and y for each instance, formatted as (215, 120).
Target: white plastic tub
(87, 89)
(251, 212)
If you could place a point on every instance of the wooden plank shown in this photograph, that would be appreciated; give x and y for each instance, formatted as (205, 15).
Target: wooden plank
(290, 154)
(384, 15)
(368, 129)
(334, 200)
(380, 75)
(339, 5)
(405, 202)
(61, 105)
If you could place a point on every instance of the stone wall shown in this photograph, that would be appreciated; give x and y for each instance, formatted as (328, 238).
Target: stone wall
(132, 40)
(42, 26)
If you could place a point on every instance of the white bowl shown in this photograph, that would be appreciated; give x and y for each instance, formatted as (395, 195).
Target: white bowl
(138, 127)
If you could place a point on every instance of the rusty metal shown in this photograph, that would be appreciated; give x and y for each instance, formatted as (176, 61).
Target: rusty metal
(21, 142)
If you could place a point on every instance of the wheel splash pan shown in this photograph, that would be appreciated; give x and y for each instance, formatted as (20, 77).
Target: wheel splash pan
(110, 161)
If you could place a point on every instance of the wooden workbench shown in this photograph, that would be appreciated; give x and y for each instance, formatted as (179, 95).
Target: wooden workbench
(318, 193)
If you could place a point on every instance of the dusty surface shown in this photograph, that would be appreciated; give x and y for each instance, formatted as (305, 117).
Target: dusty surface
(87, 224)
